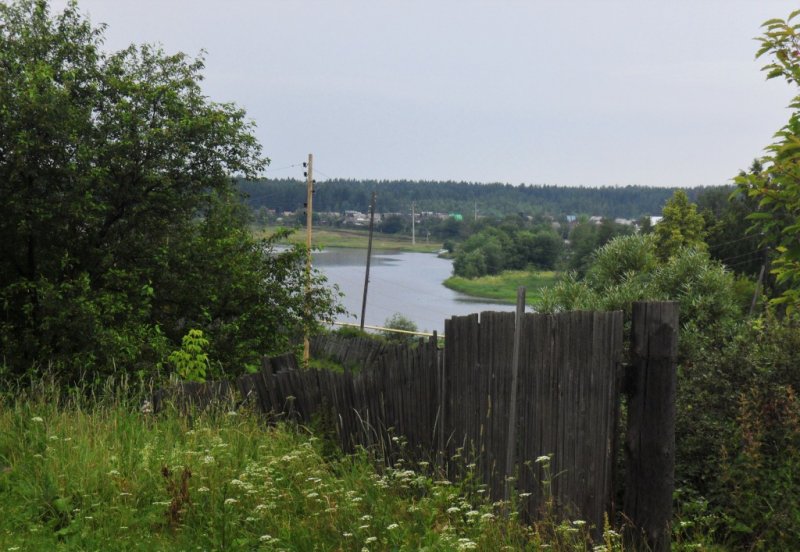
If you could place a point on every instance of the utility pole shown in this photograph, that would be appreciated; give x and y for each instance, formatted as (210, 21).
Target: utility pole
(369, 255)
(309, 224)
(413, 221)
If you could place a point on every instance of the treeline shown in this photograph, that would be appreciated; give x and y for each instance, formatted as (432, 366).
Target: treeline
(396, 196)
(490, 246)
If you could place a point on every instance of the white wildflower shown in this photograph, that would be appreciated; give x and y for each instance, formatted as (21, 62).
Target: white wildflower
(37, 419)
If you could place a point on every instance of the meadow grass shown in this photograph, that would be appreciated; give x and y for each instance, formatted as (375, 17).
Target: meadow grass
(326, 237)
(503, 286)
(84, 474)
(97, 472)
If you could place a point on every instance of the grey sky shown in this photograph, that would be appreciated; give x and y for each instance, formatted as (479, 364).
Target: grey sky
(563, 92)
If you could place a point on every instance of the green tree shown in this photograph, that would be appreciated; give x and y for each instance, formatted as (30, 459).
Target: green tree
(726, 225)
(399, 321)
(777, 186)
(681, 225)
(120, 227)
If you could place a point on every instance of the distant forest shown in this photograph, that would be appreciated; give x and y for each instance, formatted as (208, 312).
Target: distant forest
(395, 196)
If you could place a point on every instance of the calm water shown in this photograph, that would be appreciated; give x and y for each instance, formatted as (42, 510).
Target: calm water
(408, 283)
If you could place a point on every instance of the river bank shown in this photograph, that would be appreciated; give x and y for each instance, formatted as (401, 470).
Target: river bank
(350, 238)
(503, 287)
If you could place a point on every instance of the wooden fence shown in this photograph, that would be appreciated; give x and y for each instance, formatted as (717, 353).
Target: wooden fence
(453, 405)
(568, 383)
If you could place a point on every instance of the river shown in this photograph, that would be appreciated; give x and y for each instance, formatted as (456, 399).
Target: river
(408, 283)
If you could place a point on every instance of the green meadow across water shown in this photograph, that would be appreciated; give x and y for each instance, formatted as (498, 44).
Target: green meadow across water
(325, 237)
(503, 286)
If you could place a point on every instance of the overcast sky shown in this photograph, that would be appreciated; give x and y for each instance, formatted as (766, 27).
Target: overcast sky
(563, 92)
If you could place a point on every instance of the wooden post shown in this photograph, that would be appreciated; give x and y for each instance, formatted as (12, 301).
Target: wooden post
(511, 444)
(757, 290)
(309, 225)
(413, 223)
(650, 442)
(369, 256)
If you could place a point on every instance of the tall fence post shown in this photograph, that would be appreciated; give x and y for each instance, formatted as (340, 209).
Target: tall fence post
(650, 442)
(511, 435)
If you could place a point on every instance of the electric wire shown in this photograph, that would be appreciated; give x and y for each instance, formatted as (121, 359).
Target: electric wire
(283, 168)
(760, 249)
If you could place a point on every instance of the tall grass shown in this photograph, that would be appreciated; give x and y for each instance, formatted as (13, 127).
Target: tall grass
(100, 474)
(98, 471)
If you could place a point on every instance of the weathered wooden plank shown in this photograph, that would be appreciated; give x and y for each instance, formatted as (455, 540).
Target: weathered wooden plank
(650, 442)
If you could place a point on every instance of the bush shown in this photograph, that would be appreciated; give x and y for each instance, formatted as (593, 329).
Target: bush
(399, 321)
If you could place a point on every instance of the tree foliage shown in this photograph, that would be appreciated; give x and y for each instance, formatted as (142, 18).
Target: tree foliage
(727, 229)
(680, 226)
(496, 200)
(777, 186)
(510, 244)
(120, 226)
(628, 269)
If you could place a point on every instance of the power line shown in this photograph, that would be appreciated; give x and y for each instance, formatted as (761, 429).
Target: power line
(323, 174)
(284, 168)
(751, 236)
(760, 249)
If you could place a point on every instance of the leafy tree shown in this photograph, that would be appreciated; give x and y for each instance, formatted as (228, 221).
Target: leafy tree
(399, 321)
(538, 248)
(120, 227)
(627, 269)
(483, 253)
(680, 226)
(727, 229)
(586, 236)
(777, 186)
(393, 224)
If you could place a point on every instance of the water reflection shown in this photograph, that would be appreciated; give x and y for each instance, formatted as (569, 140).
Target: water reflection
(409, 283)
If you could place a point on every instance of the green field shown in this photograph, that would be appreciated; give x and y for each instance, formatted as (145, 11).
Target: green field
(503, 287)
(351, 238)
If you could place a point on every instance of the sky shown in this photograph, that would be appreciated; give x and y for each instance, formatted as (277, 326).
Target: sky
(569, 93)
